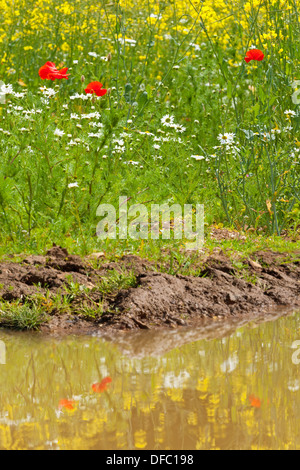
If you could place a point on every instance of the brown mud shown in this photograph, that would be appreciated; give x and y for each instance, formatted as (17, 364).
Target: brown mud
(219, 291)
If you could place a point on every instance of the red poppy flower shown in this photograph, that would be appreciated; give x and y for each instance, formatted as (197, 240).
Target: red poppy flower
(96, 87)
(102, 386)
(50, 72)
(68, 404)
(254, 54)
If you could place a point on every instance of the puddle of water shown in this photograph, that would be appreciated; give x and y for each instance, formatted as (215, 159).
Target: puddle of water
(237, 391)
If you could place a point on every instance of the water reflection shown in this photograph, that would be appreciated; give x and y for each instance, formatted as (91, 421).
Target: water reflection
(153, 390)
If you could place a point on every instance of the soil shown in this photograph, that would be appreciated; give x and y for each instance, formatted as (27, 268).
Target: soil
(220, 290)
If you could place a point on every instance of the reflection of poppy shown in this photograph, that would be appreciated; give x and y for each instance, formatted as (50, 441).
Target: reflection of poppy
(102, 386)
(254, 401)
(67, 404)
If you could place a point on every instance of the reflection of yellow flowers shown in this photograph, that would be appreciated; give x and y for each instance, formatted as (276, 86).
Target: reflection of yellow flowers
(127, 397)
(175, 394)
(140, 440)
(192, 419)
(202, 385)
(214, 399)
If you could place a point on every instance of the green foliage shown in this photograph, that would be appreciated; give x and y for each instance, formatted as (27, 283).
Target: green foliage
(19, 316)
(115, 281)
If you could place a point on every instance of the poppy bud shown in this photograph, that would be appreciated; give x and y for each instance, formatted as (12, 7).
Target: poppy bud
(109, 91)
(109, 57)
(82, 78)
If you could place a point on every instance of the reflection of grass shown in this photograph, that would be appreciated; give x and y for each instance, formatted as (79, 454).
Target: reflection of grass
(22, 317)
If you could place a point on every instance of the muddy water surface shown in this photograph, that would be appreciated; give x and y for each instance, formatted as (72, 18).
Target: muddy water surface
(212, 388)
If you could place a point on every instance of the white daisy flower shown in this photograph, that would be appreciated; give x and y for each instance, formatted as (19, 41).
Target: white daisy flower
(290, 113)
(48, 91)
(226, 139)
(167, 120)
(58, 133)
(198, 157)
(6, 89)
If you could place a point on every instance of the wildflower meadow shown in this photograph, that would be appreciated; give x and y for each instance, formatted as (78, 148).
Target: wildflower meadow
(149, 227)
(166, 101)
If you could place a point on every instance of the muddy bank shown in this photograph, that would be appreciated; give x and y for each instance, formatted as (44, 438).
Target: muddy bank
(85, 295)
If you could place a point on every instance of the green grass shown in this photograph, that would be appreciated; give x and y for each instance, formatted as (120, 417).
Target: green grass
(159, 251)
(73, 299)
(115, 281)
(20, 316)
